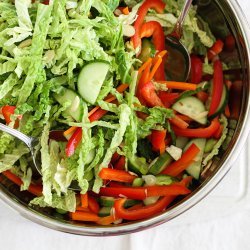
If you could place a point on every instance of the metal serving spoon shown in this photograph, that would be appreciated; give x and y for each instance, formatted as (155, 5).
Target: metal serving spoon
(32, 143)
(178, 62)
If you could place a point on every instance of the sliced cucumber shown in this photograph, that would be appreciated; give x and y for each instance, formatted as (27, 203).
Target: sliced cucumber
(75, 108)
(91, 79)
(194, 169)
(223, 102)
(158, 165)
(147, 50)
(104, 211)
(164, 179)
(109, 202)
(193, 108)
(138, 182)
(150, 200)
(138, 165)
(130, 203)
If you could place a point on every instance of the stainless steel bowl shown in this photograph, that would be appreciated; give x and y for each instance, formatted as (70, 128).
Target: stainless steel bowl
(225, 16)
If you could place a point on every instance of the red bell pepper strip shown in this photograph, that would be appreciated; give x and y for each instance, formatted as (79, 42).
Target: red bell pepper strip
(149, 95)
(168, 98)
(196, 69)
(115, 184)
(215, 49)
(146, 211)
(73, 142)
(141, 193)
(116, 175)
(198, 132)
(158, 140)
(157, 5)
(185, 181)
(115, 158)
(7, 112)
(179, 166)
(173, 189)
(93, 204)
(218, 133)
(129, 192)
(34, 189)
(178, 122)
(98, 115)
(155, 30)
(203, 96)
(217, 87)
(120, 164)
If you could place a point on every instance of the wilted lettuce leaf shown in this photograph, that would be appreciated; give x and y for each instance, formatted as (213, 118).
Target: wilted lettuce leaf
(65, 202)
(157, 116)
(217, 146)
(115, 143)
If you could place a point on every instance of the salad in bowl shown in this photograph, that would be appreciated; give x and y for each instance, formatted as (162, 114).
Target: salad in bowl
(119, 140)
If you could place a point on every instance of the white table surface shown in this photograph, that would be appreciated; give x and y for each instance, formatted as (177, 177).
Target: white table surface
(221, 221)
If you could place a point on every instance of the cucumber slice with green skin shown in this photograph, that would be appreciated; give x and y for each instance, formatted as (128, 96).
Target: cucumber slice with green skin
(104, 211)
(160, 163)
(193, 108)
(61, 211)
(147, 50)
(195, 168)
(130, 203)
(75, 108)
(223, 102)
(138, 165)
(164, 179)
(138, 182)
(91, 79)
(109, 202)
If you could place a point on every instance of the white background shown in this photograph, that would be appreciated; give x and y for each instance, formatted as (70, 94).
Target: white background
(221, 221)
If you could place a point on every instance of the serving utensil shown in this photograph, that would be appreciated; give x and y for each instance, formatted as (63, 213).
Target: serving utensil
(178, 62)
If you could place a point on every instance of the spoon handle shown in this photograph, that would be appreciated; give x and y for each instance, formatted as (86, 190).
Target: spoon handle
(24, 138)
(178, 27)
